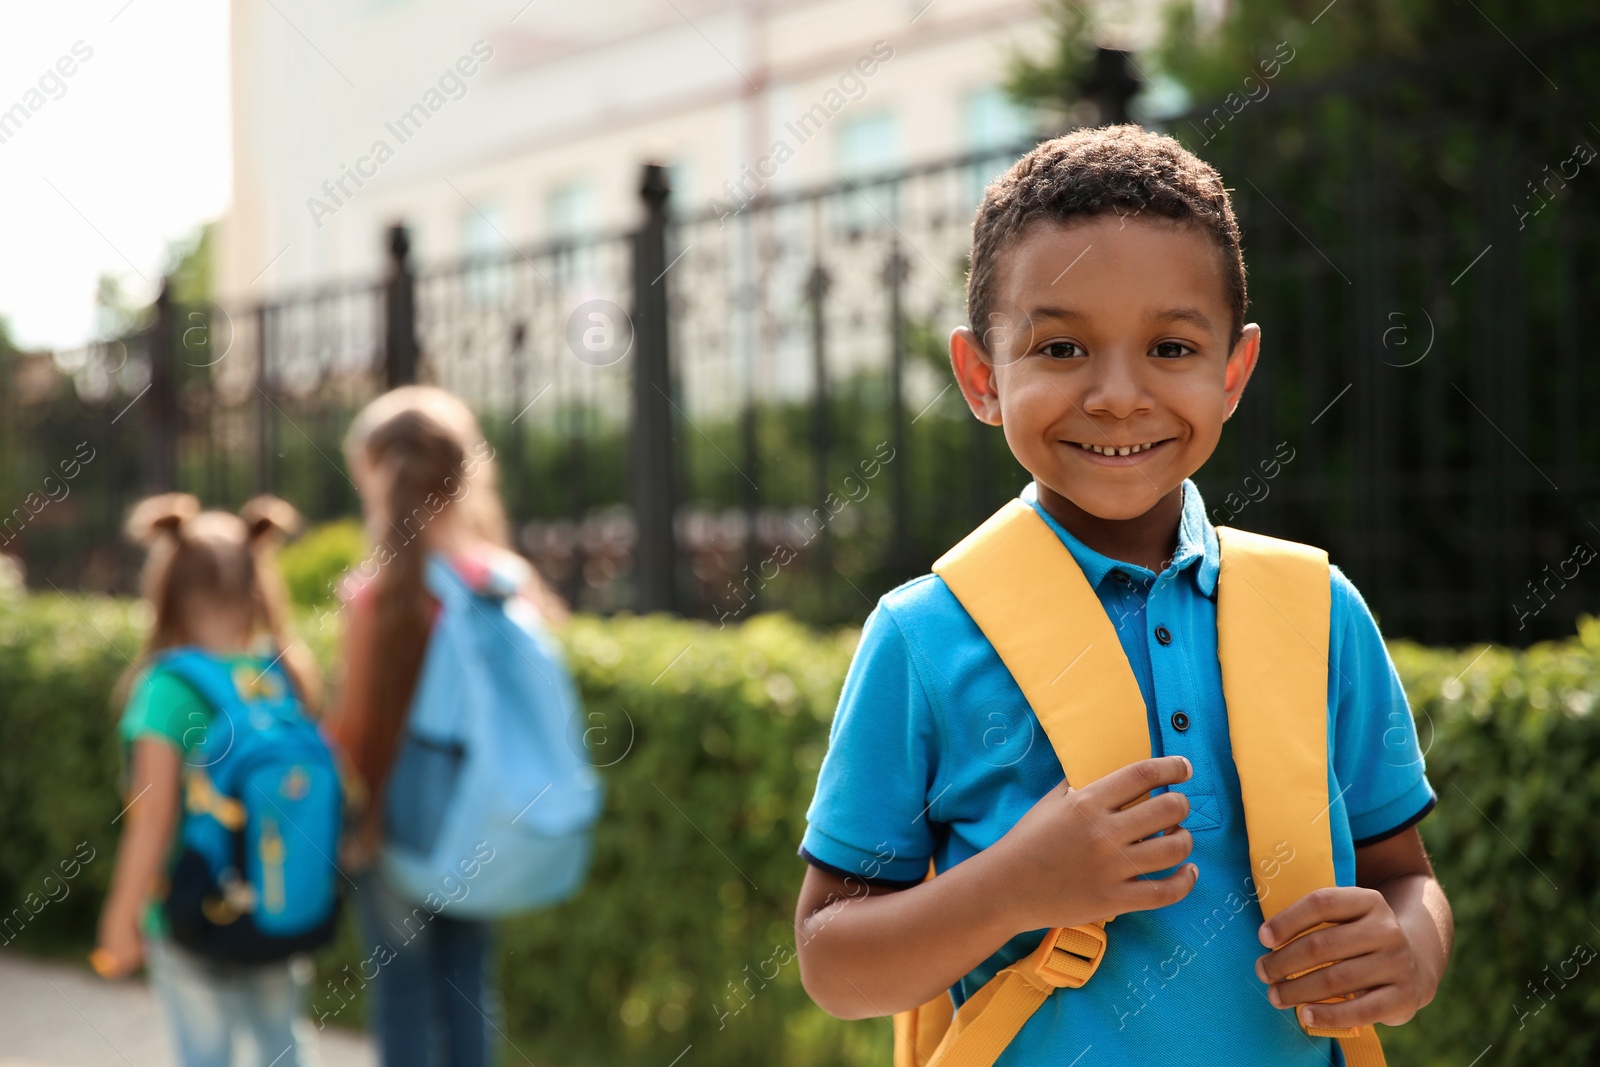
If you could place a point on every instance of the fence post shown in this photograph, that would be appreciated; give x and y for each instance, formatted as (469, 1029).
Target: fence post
(1111, 84)
(515, 489)
(821, 423)
(264, 411)
(894, 276)
(161, 411)
(653, 473)
(400, 320)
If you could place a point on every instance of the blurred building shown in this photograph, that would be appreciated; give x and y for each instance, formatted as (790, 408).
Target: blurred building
(481, 125)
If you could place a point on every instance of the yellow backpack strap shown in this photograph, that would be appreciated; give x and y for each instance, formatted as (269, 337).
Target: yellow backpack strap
(918, 1032)
(202, 798)
(1028, 596)
(1276, 595)
(1011, 574)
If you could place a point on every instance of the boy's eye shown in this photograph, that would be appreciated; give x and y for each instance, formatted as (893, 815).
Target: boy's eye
(1063, 350)
(1170, 350)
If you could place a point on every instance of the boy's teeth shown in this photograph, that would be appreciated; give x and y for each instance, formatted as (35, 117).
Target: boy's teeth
(1110, 450)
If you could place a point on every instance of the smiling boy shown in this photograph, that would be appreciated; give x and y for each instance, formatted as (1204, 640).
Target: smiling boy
(1107, 300)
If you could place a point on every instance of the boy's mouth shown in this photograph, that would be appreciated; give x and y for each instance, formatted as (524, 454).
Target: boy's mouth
(1113, 451)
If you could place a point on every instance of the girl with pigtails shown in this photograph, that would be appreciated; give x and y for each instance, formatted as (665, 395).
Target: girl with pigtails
(218, 604)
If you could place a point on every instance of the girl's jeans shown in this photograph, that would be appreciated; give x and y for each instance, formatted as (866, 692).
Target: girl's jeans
(208, 1004)
(433, 1001)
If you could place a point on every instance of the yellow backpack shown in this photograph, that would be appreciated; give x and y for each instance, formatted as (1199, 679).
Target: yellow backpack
(1027, 594)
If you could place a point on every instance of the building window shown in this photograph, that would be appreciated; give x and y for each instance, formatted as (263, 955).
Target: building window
(484, 244)
(992, 124)
(869, 146)
(571, 217)
(680, 179)
(571, 211)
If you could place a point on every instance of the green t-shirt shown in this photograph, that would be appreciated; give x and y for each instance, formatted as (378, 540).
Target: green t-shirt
(165, 707)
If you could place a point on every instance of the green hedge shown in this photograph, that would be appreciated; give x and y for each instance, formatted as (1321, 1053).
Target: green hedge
(313, 564)
(711, 741)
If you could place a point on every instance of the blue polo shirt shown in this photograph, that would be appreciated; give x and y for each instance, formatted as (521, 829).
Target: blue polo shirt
(934, 754)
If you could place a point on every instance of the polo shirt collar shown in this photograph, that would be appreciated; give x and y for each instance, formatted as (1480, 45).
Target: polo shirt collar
(1197, 543)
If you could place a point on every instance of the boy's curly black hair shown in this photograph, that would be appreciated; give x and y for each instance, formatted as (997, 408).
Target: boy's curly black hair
(1124, 170)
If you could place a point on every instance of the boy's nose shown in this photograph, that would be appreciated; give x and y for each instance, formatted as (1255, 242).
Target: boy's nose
(1113, 388)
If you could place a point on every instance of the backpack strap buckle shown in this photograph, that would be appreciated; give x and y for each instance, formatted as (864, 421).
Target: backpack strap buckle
(1067, 957)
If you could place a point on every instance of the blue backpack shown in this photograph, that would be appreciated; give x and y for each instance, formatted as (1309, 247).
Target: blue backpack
(491, 798)
(255, 880)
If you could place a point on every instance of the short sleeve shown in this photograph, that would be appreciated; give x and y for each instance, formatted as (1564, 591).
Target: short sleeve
(1377, 758)
(869, 817)
(165, 707)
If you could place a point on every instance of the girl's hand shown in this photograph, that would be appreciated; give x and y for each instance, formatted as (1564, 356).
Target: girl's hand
(147, 832)
(120, 949)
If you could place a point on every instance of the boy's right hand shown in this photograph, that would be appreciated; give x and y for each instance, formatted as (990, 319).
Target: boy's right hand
(1077, 856)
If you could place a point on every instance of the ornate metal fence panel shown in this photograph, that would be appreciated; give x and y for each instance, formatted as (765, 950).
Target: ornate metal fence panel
(1421, 240)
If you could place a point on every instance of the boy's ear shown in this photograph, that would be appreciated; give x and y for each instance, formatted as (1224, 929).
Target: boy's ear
(975, 375)
(1241, 364)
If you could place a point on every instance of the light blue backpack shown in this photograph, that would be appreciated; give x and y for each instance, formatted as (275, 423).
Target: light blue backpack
(490, 803)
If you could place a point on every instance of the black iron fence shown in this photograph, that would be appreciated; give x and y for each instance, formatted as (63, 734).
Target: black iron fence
(749, 407)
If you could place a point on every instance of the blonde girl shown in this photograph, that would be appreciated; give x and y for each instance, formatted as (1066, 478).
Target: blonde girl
(210, 584)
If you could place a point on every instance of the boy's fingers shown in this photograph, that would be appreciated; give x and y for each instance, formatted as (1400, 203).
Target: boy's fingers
(1365, 1009)
(1325, 983)
(1126, 784)
(1147, 894)
(1159, 853)
(1153, 816)
(1342, 942)
(1332, 904)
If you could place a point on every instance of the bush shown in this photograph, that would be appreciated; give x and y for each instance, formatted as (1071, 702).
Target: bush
(709, 741)
(1512, 745)
(313, 564)
(59, 765)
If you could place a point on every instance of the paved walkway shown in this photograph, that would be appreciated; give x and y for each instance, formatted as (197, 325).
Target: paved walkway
(60, 1015)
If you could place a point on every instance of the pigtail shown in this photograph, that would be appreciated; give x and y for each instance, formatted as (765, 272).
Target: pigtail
(160, 517)
(270, 522)
(270, 519)
(157, 523)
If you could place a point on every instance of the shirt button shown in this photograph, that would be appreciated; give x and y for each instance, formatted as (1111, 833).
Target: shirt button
(1163, 635)
(1180, 721)
(1121, 576)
